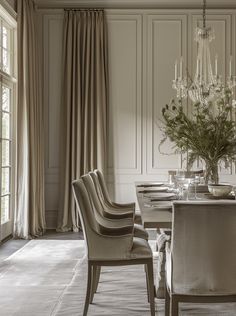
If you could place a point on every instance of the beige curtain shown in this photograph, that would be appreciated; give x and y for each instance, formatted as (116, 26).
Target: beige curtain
(85, 103)
(30, 210)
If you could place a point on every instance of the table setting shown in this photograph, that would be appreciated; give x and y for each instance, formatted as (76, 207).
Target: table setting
(182, 185)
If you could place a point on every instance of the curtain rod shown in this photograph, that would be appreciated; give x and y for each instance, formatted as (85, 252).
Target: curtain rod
(82, 9)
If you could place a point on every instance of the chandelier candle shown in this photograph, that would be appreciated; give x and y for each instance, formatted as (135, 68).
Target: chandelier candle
(205, 86)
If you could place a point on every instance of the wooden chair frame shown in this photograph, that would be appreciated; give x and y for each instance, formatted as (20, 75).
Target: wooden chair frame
(94, 268)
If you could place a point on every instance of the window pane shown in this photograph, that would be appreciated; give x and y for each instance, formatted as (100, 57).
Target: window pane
(6, 38)
(5, 181)
(5, 61)
(5, 153)
(5, 99)
(5, 208)
(5, 125)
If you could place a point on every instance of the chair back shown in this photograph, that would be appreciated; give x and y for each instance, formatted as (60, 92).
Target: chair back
(105, 225)
(89, 224)
(98, 188)
(99, 245)
(91, 189)
(103, 186)
(203, 247)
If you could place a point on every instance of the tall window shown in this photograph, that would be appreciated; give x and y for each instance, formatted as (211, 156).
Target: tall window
(7, 110)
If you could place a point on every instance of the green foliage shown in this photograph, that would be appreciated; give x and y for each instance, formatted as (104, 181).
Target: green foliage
(208, 133)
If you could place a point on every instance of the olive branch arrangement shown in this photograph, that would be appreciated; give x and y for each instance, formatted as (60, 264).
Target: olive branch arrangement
(208, 133)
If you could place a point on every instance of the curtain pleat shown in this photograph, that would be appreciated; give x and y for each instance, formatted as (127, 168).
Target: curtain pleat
(29, 218)
(84, 106)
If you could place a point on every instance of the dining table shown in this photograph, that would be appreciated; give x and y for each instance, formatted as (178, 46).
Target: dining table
(155, 201)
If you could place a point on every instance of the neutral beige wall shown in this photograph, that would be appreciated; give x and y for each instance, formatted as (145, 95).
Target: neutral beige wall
(143, 46)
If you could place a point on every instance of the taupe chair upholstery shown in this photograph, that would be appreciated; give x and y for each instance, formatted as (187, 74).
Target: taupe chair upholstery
(114, 212)
(201, 261)
(114, 205)
(103, 250)
(124, 225)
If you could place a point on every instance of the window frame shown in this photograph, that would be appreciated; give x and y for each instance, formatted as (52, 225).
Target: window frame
(10, 81)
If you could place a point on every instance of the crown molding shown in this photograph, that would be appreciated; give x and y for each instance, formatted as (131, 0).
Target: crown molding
(137, 4)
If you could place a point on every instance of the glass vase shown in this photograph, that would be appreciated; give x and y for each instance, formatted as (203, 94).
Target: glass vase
(211, 172)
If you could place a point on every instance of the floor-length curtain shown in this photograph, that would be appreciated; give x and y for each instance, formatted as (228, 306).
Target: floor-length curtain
(30, 210)
(85, 104)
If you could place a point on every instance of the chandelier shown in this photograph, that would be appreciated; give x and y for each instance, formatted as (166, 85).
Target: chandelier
(206, 85)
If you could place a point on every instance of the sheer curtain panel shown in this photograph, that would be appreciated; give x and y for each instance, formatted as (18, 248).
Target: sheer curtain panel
(84, 106)
(30, 210)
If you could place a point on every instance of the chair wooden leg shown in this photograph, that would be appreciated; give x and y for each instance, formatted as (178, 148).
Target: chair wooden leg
(95, 279)
(89, 289)
(174, 306)
(93, 282)
(146, 274)
(151, 286)
(167, 302)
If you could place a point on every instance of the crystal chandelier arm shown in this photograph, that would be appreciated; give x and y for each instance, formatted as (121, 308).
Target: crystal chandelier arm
(204, 13)
(205, 86)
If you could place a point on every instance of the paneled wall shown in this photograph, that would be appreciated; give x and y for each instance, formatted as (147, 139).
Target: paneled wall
(143, 47)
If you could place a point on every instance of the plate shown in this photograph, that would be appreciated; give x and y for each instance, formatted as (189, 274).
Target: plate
(160, 196)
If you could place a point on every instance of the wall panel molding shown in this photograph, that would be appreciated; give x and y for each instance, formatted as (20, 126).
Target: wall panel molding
(167, 40)
(125, 77)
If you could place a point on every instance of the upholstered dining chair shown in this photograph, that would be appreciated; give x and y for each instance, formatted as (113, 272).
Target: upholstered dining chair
(103, 214)
(122, 212)
(108, 201)
(200, 262)
(104, 250)
(112, 211)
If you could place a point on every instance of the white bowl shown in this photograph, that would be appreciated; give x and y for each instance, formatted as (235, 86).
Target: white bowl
(219, 189)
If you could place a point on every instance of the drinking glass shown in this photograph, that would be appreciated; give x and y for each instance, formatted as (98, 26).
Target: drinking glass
(180, 179)
(196, 181)
(186, 185)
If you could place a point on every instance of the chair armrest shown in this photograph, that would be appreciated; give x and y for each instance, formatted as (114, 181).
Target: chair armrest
(118, 213)
(110, 247)
(113, 227)
(114, 223)
(125, 206)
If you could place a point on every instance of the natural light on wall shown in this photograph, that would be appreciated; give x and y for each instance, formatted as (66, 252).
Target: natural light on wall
(7, 109)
